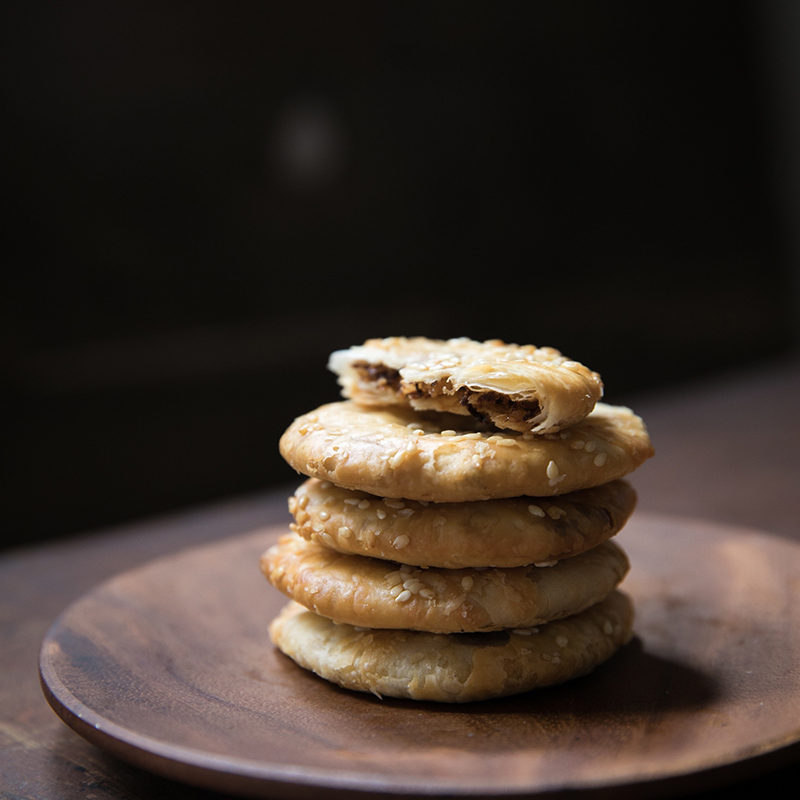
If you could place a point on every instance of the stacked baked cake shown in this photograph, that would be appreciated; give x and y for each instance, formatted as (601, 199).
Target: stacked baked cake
(452, 542)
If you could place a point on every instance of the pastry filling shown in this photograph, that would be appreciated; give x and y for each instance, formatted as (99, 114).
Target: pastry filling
(379, 374)
(490, 405)
(484, 406)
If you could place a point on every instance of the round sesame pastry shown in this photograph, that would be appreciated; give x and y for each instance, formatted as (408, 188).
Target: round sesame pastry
(507, 532)
(397, 452)
(527, 389)
(381, 594)
(458, 667)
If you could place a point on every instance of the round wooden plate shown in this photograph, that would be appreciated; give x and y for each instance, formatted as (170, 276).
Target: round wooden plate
(169, 666)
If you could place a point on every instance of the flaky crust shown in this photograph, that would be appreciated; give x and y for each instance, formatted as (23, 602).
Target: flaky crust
(381, 594)
(397, 452)
(454, 668)
(509, 532)
(461, 376)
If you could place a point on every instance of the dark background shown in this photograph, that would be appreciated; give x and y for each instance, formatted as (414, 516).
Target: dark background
(206, 198)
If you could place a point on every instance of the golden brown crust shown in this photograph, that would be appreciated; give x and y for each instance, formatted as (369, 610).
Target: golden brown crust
(508, 532)
(382, 594)
(527, 389)
(396, 452)
(454, 668)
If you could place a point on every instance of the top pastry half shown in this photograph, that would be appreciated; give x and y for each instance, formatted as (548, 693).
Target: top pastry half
(522, 388)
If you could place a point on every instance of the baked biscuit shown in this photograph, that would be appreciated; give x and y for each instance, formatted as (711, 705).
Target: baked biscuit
(398, 452)
(509, 532)
(526, 389)
(454, 668)
(382, 594)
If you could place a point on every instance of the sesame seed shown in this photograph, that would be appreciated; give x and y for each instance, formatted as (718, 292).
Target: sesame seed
(323, 515)
(472, 436)
(467, 583)
(278, 572)
(396, 589)
(494, 439)
(521, 631)
(590, 446)
(394, 503)
(316, 527)
(325, 485)
(403, 596)
(352, 501)
(401, 541)
(397, 459)
(535, 510)
(344, 531)
(418, 431)
(448, 432)
(506, 443)
(562, 641)
(578, 444)
(405, 512)
(545, 563)
(303, 501)
(363, 504)
(608, 628)
(381, 513)
(600, 459)
(552, 470)
(428, 594)
(556, 513)
(393, 578)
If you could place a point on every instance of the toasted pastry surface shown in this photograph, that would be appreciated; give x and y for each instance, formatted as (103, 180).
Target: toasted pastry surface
(373, 593)
(522, 388)
(399, 453)
(508, 532)
(454, 668)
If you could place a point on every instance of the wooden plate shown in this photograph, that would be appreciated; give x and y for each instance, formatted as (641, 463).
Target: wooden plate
(169, 666)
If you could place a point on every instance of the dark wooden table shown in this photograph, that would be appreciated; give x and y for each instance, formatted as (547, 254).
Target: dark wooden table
(727, 450)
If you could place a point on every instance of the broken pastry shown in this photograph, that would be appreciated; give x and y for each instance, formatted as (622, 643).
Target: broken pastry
(522, 388)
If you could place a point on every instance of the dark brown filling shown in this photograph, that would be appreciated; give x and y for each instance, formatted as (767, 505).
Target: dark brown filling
(379, 374)
(482, 405)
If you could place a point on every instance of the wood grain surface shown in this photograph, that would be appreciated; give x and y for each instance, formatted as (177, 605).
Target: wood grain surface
(170, 668)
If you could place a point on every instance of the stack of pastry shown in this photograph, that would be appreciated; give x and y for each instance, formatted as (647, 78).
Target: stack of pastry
(452, 542)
